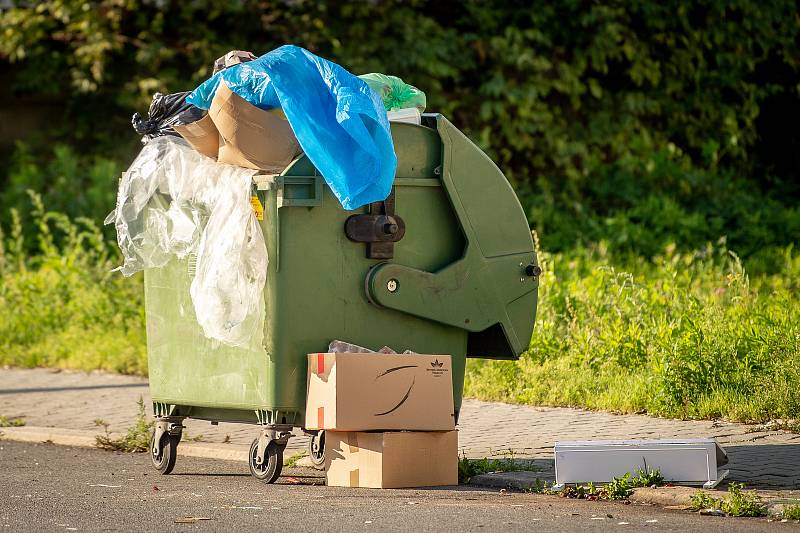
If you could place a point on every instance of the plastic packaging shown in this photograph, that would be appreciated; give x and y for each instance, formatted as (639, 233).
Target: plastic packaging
(234, 57)
(339, 121)
(395, 93)
(174, 202)
(166, 111)
(338, 346)
(409, 115)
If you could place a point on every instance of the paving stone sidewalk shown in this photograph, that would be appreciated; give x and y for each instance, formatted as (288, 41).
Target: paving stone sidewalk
(74, 400)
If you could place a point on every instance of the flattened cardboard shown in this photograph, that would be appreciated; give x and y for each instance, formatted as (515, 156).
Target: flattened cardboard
(202, 135)
(374, 391)
(251, 137)
(397, 459)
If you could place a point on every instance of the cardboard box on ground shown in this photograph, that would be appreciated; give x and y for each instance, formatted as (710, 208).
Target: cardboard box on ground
(236, 132)
(388, 418)
(393, 459)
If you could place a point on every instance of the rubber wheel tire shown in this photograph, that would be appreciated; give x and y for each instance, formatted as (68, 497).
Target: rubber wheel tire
(316, 450)
(165, 462)
(270, 470)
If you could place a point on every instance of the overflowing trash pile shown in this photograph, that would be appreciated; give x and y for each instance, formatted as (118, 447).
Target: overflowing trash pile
(188, 193)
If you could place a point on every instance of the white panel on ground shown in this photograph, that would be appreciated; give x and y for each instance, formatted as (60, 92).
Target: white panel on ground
(680, 461)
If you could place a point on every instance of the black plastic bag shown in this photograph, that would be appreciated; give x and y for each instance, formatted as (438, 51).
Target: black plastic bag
(166, 111)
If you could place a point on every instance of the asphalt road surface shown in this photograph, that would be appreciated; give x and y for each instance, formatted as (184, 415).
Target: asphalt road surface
(53, 488)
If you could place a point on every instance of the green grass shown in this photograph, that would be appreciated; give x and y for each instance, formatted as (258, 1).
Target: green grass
(62, 306)
(738, 502)
(687, 335)
(684, 335)
(11, 421)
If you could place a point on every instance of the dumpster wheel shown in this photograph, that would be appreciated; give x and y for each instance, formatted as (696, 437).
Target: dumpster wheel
(164, 459)
(316, 449)
(270, 469)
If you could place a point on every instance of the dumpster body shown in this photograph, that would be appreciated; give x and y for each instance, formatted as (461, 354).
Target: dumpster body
(455, 274)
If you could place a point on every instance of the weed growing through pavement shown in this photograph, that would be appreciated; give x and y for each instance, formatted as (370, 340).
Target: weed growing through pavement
(738, 502)
(620, 488)
(791, 512)
(292, 461)
(11, 421)
(467, 468)
(186, 438)
(137, 438)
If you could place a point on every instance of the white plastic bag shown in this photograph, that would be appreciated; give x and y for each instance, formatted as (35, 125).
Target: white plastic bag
(173, 202)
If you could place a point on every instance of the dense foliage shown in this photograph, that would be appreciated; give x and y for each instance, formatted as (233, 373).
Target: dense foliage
(635, 133)
(63, 307)
(687, 335)
(639, 122)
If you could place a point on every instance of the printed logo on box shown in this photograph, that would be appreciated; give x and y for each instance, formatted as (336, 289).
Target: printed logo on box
(437, 369)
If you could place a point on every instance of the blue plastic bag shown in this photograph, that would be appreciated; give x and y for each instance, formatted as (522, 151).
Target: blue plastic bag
(338, 120)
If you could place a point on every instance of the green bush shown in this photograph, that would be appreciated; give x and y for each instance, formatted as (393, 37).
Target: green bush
(639, 123)
(61, 306)
(687, 335)
(78, 186)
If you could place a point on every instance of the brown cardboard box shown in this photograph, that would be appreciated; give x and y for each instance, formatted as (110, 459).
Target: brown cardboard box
(251, 137)
(373, 391)
(394, 459)
(202, 135)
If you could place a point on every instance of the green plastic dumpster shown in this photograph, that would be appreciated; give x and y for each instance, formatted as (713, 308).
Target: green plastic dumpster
(445, 265)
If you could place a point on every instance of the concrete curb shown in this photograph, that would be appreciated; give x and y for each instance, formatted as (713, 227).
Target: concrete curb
(86, 439)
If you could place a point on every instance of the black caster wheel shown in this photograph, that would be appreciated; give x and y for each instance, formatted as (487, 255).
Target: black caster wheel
(164, 462)
(316, 450)
(270, 469)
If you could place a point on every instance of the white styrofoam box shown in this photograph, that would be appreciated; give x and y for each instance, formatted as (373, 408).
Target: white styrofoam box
(410, 115)
(680, 460)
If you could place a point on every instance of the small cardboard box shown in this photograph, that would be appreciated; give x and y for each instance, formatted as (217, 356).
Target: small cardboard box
(373, 391)
(394, 459)
(202, 135)
(251, 137)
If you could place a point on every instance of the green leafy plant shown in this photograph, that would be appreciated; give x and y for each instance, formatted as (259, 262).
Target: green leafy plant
(791, 512)
(292, 460)
(702, 500)
(620, 488)
(136, 439)
(648, 477)
(11, 421)
(738, 502)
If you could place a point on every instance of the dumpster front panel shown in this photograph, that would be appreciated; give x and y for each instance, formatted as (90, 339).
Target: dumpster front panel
(314, 293)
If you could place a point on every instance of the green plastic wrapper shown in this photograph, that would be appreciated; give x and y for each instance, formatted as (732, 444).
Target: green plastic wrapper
(395, 93)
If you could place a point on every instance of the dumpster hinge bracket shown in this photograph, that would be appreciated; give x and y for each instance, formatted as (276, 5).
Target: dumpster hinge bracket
(379, 229)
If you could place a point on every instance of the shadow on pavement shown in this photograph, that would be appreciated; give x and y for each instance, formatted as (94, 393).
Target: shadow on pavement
(765, 466)
(75, 387)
